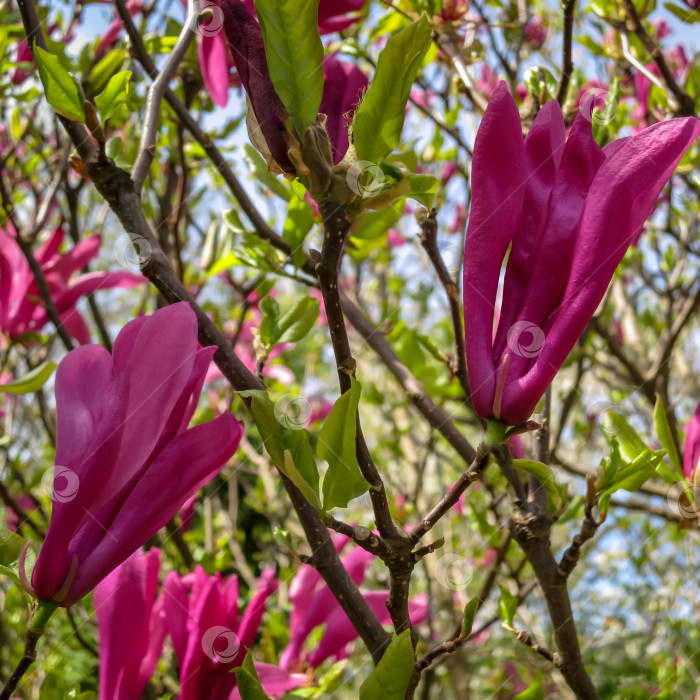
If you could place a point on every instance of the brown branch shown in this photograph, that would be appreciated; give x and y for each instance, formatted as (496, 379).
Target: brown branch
(428, 239)
(685, 106)
(588, 530)
(567, 64)
(531, 527)
(480, 463)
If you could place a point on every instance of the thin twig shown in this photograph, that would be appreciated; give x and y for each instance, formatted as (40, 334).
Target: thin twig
(567, 64)
(147, 145)
(685, 105)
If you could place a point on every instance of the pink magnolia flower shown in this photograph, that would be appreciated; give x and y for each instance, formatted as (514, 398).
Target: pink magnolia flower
(24, 55)
(568, 210)
(24, 502)
(344, 85)
(488, 81)
(691, 452)
(131, 626)
(215, 61)
(313, 604)
(122, 437)
(536, 32)
(112, 33)
(210, 639)
(395, 239)
(266, 115)
(21, 307)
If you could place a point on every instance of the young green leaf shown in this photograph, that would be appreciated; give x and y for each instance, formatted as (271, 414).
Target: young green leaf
(423, 189)
(114, 95)
(249, 685)
(294, 56)
(544, 475)
(378, 121)
(507, 605)
(290, 327)
(289, 449)
(336, 444)
(389, 679)
(615, 426)
(469, 614)
(62, 92)
(663, 432)
(31, 381)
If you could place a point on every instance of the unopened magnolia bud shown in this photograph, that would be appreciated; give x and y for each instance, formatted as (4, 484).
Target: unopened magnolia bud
(318, 158)
(421, 214)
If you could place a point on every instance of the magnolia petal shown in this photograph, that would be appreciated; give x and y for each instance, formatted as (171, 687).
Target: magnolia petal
(498, 176)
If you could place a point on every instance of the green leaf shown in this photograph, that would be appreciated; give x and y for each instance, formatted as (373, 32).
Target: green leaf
(469, 614)
(114, 95)
(389, 679)
(663, 432)
(631, 445)
(32, 381)
(292, 326)
(507, 605)
(336, 444)
(299, 320)
(300, 219)
(544, 475)
(423, 189)
(378, 121)
(249, 685)
(105, 69)
(532, 692)
(62, 92)
(11, 546)
(288, 448)
(294, 55)
(683, 14)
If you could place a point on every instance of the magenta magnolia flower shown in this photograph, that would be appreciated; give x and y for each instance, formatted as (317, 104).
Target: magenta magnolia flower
(125, 460)
(313, 604)
(210, 639)
(536, 32)
(568, 211)
(21, 307)
(131, 626)
(344, 86)
(691, 452)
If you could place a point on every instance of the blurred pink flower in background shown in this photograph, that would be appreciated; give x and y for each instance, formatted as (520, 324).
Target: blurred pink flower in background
(21, 306)
(395, 239)
(536, 32)
(344, 84)
(121, 436)
(313, 604)
(211, 639)
(131, 626)
(113, 32)
(691, 451)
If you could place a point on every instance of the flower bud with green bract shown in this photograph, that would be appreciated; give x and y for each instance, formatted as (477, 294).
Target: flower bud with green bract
(266, 112)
